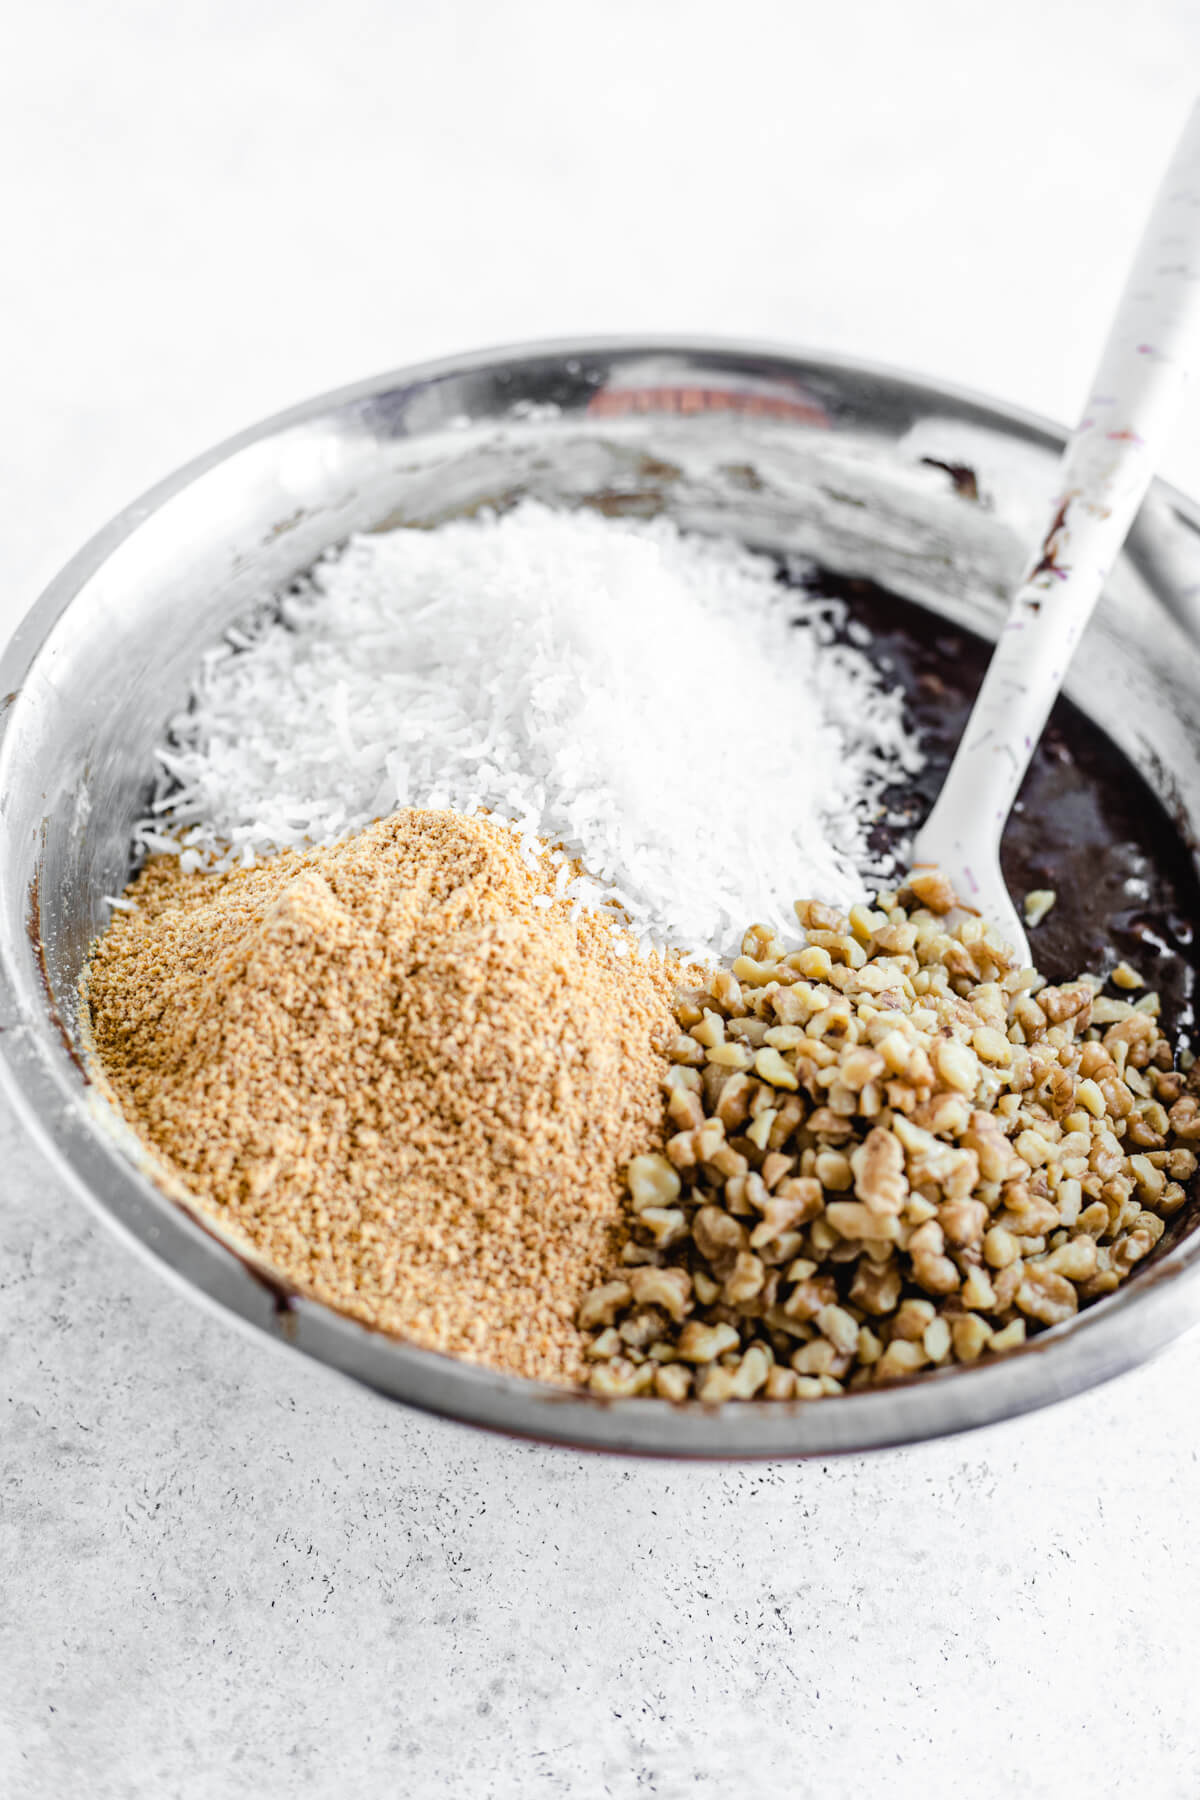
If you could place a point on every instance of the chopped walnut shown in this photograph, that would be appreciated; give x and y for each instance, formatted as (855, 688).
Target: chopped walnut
(889, 1151)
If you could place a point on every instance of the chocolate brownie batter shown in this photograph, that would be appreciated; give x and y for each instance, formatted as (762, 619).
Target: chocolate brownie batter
(1086, 824)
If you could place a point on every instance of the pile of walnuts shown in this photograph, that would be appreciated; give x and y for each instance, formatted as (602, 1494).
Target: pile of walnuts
(892, 1149)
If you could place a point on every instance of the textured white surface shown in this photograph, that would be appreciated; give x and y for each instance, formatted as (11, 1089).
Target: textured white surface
(222, 1570)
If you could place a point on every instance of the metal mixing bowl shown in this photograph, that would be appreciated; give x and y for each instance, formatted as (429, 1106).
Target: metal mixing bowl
(864, 469)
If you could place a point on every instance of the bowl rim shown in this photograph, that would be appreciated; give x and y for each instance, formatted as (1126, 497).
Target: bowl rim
(1118, 1334)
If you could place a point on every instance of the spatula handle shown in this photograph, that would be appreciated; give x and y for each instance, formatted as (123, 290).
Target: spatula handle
(1106, 470)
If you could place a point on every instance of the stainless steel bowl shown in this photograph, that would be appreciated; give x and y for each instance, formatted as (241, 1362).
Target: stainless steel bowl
(823, 457)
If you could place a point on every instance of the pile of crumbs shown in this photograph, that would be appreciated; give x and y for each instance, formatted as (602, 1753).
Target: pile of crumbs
(399, 1071)
(893, 1150)
(659, 703)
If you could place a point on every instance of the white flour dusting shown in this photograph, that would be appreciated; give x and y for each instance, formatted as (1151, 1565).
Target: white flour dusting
(656, 703)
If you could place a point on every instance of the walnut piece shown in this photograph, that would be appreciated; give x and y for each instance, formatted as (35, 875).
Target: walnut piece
(894, 1151)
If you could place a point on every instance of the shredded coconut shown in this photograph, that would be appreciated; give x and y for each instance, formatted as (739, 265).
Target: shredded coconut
(659, 704)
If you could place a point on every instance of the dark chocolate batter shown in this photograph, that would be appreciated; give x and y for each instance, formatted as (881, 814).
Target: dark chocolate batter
(1086, 824)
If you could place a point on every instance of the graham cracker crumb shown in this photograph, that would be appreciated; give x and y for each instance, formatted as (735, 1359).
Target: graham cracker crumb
(413, 1088)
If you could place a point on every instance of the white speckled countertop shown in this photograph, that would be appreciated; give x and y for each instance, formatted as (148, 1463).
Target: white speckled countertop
(224, 1571)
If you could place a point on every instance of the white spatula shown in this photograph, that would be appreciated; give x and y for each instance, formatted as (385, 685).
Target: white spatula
(1106, 469)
